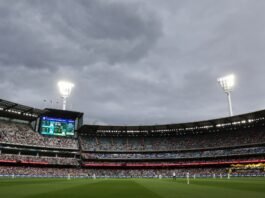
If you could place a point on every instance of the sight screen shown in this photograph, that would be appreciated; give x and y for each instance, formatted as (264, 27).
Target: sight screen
(57, 127)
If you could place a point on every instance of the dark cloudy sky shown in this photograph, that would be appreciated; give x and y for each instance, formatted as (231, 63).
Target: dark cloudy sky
(134, 61)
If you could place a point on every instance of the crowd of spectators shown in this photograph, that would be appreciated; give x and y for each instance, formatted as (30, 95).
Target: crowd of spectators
(178, 147)
(248, 172)
(23, 134)
(169, 143)
(157, 172)
(154, 173)
(177, 155)
(27, 170)
(186, 161)
(42, 159)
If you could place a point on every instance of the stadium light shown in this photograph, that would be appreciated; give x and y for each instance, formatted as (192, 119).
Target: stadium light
(228, 83)
(65, 89)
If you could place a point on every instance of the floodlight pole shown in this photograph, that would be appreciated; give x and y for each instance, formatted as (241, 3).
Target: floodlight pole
(229, 103)
(64, 103)
(227, 83)
(65, 91)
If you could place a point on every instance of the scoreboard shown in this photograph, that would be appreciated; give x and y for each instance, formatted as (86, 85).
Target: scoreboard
(55, 122)
(57, 126)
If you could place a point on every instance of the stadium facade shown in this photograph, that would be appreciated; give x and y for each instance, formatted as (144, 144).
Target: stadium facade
(56, 143)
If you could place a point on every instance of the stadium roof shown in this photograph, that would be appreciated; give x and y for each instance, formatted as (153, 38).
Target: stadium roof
(63, 113)
(18, 111)
(190, 126)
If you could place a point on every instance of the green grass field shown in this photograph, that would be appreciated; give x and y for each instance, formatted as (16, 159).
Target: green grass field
(127, 188)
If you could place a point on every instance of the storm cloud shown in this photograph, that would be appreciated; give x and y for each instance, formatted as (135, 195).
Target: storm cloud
(134, 62)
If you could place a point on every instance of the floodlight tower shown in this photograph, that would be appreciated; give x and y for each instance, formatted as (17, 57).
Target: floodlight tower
(65, 89)
(227, 83)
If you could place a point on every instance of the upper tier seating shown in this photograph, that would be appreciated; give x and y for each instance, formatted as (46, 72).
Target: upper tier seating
(23, 134)
(169, 143)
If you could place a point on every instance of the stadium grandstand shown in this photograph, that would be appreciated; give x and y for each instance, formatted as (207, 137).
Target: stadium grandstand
(56, 143)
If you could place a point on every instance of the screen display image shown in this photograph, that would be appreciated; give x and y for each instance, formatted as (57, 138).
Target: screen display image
(57, 127)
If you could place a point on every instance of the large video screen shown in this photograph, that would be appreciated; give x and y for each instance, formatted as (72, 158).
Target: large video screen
(57, 126)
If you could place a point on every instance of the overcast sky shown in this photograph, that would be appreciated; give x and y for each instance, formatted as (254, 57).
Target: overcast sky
(134, 62)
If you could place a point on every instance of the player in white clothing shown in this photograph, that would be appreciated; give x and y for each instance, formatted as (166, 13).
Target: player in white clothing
(174, 176)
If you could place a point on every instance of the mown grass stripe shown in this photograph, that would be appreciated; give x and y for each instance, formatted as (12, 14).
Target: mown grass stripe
(131, 188)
